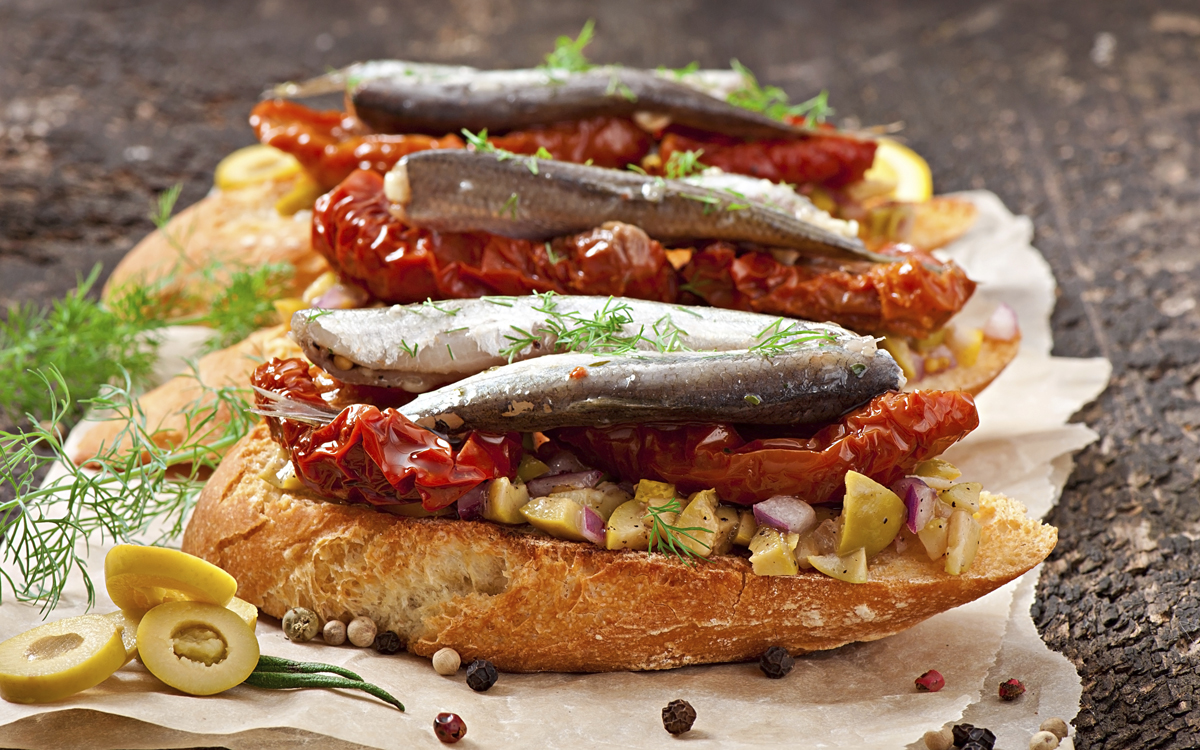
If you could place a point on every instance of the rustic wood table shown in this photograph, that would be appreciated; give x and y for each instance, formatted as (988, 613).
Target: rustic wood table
(1081, 115)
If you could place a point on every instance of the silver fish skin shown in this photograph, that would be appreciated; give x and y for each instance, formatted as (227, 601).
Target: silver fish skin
(406, 104)
(804, 386)
(715, 83)
(457, 338)
(538, 199)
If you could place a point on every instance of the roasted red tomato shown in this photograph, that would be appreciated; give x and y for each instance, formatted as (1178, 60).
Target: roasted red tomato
(883, 439)
(353, 229)
(380, 457)
(332, 144)
(820, 159)
(914, 296)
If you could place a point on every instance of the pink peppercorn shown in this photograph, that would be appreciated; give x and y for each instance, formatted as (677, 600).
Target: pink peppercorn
(931, 682)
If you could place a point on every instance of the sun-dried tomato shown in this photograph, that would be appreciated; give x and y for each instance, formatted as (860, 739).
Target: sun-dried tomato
(366, 455)
(819, 159)
(330, 144)
(353, 229)
(914, 296)
(883, 439)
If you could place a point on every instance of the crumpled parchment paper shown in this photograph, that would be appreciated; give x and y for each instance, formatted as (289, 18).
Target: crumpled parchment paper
(858, 696)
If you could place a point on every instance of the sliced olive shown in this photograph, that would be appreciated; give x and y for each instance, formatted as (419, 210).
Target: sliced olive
(245, 610)
(196, 647)
(59, 659)
(140, 578)
(129, 624)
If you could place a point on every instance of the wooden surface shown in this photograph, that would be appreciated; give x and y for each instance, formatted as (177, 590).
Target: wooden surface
(1082, 115)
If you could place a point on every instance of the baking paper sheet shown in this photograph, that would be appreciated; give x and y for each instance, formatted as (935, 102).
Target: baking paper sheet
(858, 696)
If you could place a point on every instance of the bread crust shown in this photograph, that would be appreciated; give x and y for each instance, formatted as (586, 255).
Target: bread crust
(531, 603)
(994, 356)
(225, 231)
(166, 407)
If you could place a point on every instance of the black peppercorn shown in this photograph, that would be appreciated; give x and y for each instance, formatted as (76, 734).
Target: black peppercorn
(678, 717)
(969, 735)
(776, 662)
(481, 675)
(388, 642)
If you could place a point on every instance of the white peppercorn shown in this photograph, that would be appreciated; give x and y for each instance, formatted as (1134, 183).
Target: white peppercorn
(361, 631)
(446, 661)
(301, 625)
(1055, 726)
(1043, 741)
(939, 739)
(334, 632)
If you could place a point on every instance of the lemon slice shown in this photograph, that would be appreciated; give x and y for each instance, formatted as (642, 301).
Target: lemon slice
(900, 165)
(59, 659)
(140, 578)
(253, 164)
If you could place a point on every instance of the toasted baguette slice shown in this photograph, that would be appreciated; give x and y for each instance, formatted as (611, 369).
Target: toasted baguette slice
(994, 356)
(226, 231)
(939, 221)
(531, 603)
(166, 407)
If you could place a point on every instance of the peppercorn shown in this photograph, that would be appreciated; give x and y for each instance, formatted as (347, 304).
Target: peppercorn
(930, 682)
(481, 675)
(940, 739)
(446, 661)
(301, 625)
(974, 746)
(1010, 690)
(449, 728)
(965, 734)
(1043, 741)
(361, 631)
(678, 717)
(388, 642)
(1055, 726)
(334, 632)
(776, 662)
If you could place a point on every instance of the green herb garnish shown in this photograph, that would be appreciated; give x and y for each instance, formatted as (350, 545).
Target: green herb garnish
(122, 492)
(511, 206)
(666, 538)
(568, 53)
(682, 164)
(773, 102)
(776, 338)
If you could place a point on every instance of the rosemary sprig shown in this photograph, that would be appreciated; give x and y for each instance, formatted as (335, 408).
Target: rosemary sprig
(773, 102)
(666, 537)
(568, 53)
(117, 497)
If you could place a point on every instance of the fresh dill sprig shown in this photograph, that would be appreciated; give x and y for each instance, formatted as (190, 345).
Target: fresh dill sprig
(601, 333)
(568, 53)
(617, 86)
(245, 303)
(773, 102)
(776, 338)
(667, 335)
(511, 206)
(85, 343)
(139, 478)
(682, 164)
(553, 256)
(542, 153)
(667, 538)
(407, 349)
(431, 305)
(680, 73)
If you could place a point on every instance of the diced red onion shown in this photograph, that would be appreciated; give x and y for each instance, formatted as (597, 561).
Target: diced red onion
(919, 498)
(565, 462)
(470, 505)
(941, 351)
(593, 526)
(1002, 326)
(341, 297)
(544, 485)
(786, 513)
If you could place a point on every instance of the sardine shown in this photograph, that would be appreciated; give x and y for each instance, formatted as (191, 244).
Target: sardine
(716, 83)
(808, 385)
(402, 97)
(538, 199)
(423, 346)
